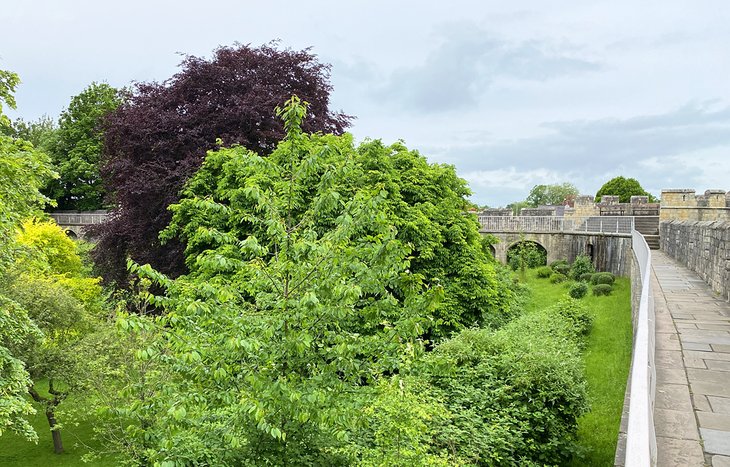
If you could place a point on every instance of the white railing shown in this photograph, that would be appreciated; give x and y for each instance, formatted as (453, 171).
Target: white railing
(599, 224)
(79, 218)
(640, 436)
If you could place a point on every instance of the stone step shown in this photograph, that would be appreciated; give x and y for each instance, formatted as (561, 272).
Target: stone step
(652, 241)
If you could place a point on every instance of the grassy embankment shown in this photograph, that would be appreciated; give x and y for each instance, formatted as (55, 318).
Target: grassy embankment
(17, 452)
(607, 359)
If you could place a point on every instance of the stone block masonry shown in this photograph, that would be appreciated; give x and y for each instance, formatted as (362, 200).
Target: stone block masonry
(702, 246)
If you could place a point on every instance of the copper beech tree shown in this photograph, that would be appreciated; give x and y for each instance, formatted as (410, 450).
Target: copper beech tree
(159, 136)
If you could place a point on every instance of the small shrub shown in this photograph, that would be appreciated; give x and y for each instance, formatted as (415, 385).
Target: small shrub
(578, 290)
(558, 262)
(556, 278)
(581, 265)
(576, 314)
(603, 278)
(602, 289)
(585, 277)
(544, 272)
(562, 269)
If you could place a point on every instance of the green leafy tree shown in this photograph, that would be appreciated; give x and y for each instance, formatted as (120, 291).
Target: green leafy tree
(76, 151)
(48, 281)
(23, 170)
(624, 188)
(41, 133)
(275, 343)
(555, 194)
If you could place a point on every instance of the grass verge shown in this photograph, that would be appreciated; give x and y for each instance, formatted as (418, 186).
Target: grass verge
(16, 451)
(607, 359)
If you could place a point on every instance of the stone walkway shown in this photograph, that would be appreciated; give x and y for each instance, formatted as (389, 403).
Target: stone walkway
(692, 407)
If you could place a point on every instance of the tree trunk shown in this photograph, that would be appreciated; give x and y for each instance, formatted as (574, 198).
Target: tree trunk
(56, 434)
(50, 409)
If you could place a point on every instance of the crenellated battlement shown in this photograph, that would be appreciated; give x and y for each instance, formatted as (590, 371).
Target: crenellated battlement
(685, 204)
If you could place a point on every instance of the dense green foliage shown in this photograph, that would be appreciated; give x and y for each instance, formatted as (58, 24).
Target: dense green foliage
(607, 357)
(578, 290)
(557, 277)
(544, 272)
(556, 194)
(515, 394)
(624, 188)
(603, 278)
(23, 170)
(602, 289)
(77, 147)
(526, 254)
(581, 266)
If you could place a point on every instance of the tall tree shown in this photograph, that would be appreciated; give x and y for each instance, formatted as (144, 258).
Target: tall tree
(624, 188)
(555, 194)
(285, 327)
(159, 136)
(47, 279)
(23, 170)
(77, 147)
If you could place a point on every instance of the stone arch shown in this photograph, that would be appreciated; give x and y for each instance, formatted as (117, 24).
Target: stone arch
(540, 259)
(71, 234)
(590, 251)
(493, 251)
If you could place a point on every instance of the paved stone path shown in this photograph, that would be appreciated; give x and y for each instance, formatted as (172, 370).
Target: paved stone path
(692, 407)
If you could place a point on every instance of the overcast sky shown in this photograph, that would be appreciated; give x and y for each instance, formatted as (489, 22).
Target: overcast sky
(513, 94)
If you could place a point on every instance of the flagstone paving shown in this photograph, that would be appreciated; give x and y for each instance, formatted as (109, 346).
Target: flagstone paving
(692, 406)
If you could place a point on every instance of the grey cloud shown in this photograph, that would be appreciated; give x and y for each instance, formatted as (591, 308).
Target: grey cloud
(465, 64)
(656, 149)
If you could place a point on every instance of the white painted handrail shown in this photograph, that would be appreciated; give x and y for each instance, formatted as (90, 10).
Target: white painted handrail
(599, 224)
(640, 436)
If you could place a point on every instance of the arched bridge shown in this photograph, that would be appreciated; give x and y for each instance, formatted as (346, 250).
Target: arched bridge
(606, 239)
(75, 223)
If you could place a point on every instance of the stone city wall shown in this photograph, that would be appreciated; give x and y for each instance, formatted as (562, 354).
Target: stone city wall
(703, 247)
(684, 204)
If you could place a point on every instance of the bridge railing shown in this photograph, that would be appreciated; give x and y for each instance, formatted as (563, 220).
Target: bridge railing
(640, 436)
(599, 224)
(79, 218)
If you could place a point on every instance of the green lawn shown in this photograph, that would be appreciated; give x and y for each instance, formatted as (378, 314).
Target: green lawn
(16, 451)
(607, 360)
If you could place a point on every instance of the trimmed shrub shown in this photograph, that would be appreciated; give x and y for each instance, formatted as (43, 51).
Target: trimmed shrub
(515, 395)
(562, 269)
(557, 262)
(581, 265)
(586, 277)
(603, 278)
(556, 278)
(602, 289)
(544, 272)
(578, 290)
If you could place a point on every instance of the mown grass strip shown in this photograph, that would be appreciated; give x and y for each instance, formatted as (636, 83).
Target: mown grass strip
(607, 359)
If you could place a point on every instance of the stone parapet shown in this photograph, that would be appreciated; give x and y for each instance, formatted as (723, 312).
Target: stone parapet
(703, 247)
(684, 204)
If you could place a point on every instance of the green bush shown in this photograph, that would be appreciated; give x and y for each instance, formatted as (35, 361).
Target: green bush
(515, 394)
(544, 272)
(556, 278)
(603, 278)
(578, 290)
(575, 314)
(562, 269)
(526, 253)
(581, 265)
(602, 289)
(586, 277)
(558, 262)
